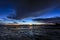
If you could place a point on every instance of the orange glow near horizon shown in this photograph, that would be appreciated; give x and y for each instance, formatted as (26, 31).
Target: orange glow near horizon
(32, 24)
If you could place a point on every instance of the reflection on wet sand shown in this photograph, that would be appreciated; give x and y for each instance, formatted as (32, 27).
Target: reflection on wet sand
(28, 32)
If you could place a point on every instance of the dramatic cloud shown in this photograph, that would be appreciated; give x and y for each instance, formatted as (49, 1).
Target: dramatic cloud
(48, 20)
(31, 8)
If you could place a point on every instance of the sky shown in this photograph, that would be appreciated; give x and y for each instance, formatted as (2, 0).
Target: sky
(24, 10)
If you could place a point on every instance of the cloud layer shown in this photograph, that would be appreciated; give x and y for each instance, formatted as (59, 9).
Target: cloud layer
(31, 8)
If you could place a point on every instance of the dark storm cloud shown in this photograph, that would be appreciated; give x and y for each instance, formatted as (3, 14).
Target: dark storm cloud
(5, 4)
(29, 8)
